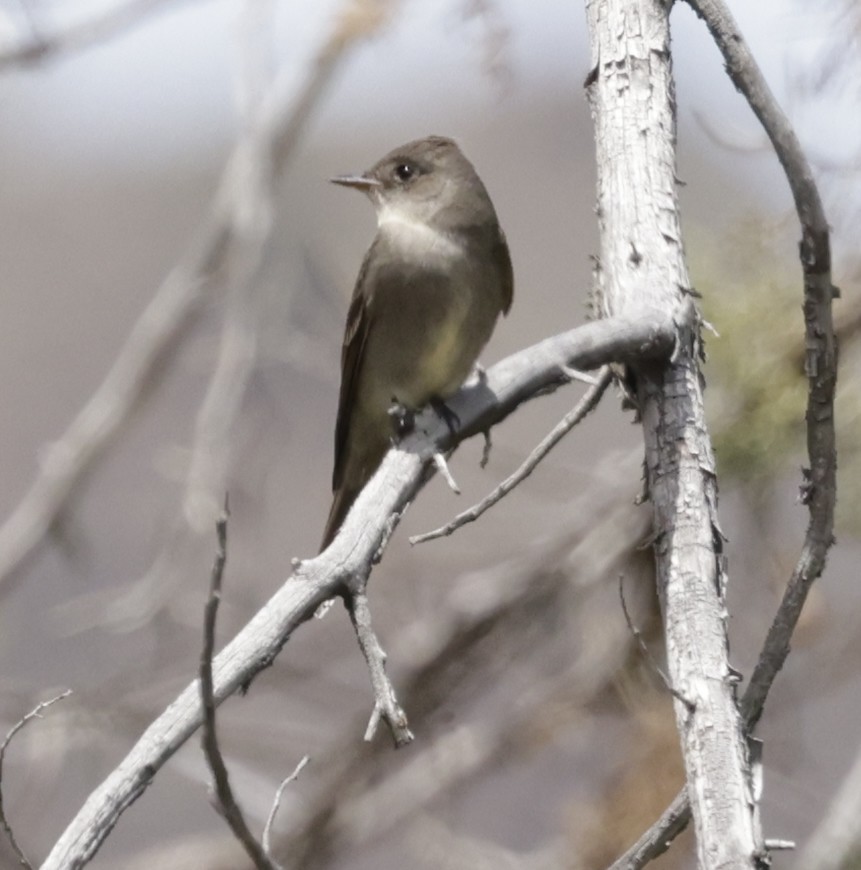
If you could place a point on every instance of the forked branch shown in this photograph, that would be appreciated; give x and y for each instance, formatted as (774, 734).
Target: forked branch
(524, 375)
(819, 486)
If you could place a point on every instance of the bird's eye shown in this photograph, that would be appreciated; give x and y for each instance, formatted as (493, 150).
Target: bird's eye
(404, 171)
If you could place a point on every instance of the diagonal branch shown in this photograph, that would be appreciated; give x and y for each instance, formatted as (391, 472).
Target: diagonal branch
(556, 571)
(559, 431)
(35, 713)
(533, 371)
(276, 803)
(386, 704)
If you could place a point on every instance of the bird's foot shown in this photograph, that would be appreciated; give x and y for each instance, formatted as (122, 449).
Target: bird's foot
(447, 415)
(403, 419)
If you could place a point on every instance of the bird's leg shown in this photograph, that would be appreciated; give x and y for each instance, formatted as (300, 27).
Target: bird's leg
(452, 421)
(403, 419)
(446, 414)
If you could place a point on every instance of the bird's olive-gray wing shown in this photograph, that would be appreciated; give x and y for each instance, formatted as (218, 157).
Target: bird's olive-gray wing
(352, 355)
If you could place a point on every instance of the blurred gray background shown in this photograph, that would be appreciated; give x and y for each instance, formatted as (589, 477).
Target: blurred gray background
(110, 157)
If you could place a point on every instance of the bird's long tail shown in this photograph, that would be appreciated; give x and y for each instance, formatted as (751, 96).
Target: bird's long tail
(341, 504)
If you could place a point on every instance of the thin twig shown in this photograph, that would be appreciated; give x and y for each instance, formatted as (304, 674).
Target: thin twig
(821, 369)
(485, 449)
(442, 467)
(386, 705)
(658, 838)
(276, 803)
(228, 806)
(35, 713)
(577, 375)
(563, 427)
(776, 845)
(644, 649)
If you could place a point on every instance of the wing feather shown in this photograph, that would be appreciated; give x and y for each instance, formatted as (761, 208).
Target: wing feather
(352, 359)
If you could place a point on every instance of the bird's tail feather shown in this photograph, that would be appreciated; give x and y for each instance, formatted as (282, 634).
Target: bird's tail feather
(341, 504)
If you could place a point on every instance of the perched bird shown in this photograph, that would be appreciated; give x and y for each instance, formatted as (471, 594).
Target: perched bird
(429, 292)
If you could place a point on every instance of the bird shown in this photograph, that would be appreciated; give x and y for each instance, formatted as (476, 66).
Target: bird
(428, 295)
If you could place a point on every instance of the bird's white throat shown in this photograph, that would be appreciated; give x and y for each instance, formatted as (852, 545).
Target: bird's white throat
(415, 238)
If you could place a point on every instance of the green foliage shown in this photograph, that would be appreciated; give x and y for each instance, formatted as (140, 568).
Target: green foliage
(849, 436)
(750, 281)
(756, 384)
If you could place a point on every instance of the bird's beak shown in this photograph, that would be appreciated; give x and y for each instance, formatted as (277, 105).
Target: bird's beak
(365, 183)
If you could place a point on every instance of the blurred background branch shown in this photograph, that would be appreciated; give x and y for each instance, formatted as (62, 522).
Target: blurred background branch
(221, 244)
(45, 44)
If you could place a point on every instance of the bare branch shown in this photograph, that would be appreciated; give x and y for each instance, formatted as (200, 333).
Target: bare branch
(276, 803)
(230, 809)
(821, 369)
(219, 241)
(583, 377)
(658, 838)
(524, 375)
(441, 466)
(644, 649)
(559, 431)
(642, 262)
(820, 485)
(461, 637)
(486, 447)
(386, 705)
(35, 713)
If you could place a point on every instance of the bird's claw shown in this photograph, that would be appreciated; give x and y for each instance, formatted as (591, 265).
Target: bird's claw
(451, 420)
(403, 419)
